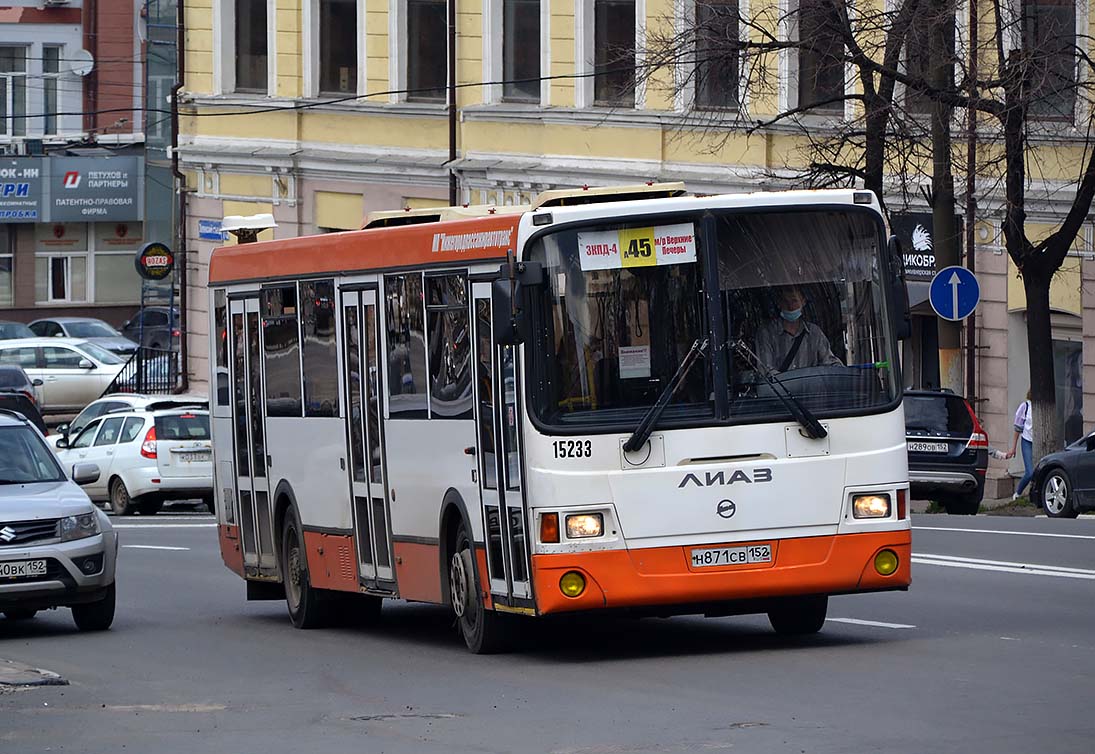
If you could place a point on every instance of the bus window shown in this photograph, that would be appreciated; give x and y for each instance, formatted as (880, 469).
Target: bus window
(320, 359)
(220, 347)
(281, 336)
(450, 347)
(406, 347)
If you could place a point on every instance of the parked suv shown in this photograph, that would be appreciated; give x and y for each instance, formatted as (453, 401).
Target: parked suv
(56, 548)
(948, 450)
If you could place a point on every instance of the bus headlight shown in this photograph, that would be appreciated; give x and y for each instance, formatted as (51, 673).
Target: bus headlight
(871, 506)
(582, 525)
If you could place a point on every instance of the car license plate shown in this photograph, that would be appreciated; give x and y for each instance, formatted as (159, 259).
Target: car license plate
(16, 569)
(709, 557)
(928, 447)
(194, 457)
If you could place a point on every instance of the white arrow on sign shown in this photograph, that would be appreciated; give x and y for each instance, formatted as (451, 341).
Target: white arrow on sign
(954, 282)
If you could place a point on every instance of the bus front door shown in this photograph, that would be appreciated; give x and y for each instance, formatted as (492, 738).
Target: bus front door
(248, 422)
(496, 415)
(363, 379)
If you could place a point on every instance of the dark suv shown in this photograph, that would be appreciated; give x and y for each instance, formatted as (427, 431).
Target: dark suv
(948, 450)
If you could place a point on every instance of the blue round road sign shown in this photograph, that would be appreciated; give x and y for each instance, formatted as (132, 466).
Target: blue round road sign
(954, 293)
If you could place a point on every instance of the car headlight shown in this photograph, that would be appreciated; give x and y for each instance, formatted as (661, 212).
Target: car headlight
(585, 525)
(79, 527)
(871, 506)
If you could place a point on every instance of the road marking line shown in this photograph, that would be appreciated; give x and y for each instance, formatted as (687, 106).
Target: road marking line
(165, 526)
(1020, 533)
(154, 547)
(876, 623)
(1003, 567)
(963, 559)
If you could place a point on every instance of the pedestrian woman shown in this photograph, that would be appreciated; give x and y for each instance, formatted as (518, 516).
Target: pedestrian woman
(1023, 432)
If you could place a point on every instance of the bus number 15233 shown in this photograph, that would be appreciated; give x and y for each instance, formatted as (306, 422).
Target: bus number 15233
(573, 448)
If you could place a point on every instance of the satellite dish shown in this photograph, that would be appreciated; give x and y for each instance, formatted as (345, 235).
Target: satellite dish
(82, 62)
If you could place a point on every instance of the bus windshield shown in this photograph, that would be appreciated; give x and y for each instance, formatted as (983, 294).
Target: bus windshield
(800, 296)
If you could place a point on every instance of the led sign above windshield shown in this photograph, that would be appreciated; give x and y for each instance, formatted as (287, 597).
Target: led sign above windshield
(637, 247)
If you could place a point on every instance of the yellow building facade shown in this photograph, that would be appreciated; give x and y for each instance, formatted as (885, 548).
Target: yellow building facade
(319, 111)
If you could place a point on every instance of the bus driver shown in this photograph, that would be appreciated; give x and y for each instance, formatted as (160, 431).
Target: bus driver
(790, 342)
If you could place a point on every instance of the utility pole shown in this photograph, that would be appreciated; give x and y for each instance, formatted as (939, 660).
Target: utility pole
(971, 201)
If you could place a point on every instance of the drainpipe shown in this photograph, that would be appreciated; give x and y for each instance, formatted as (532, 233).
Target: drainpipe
(180, 181)
(453, 188)
(91, 81)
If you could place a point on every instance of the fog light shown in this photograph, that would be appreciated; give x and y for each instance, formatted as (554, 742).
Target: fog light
(886, 562)
(585, 525)
(871, 506)
(572, 584)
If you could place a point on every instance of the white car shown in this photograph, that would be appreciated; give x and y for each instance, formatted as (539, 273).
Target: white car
(73, 371)
(124, 401)
(145, 458)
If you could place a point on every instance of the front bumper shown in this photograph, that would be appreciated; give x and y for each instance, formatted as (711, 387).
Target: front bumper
(664, 576)
(65, 582)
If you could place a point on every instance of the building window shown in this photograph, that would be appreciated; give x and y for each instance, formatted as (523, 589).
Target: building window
(13, 91)
(320, 355)
(92, 263)
(449, 347)
(427, 50)
(281, 339)
(521, 50)
(338, 46)
(717, 54)
(820, 56)
(614, 53)
(61, 278)
(1049, 39)
(51, 70)
(251, 54)
(406, 347)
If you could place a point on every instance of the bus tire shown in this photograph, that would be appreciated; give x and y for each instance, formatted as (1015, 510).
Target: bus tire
(484, 631)
(799, 616)
(308, 607)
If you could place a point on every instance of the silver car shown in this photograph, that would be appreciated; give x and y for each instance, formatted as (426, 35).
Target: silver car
(56, 548)
(85, 328)
(74, 372)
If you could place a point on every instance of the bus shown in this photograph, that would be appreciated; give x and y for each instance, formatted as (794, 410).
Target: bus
(625, 399)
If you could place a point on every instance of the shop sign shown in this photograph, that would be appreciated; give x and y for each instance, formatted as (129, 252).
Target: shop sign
(118, 236)
(916, 233)
(154, 261)
(60, 237)
(94, 188)
(21, 182)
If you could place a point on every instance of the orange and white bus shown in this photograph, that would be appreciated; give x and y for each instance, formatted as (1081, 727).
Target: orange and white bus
(613, 399)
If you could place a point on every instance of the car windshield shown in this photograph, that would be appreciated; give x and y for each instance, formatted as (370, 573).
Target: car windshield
(100, 354)
(92, 329)
(25, 458)
(622, 304)
(12, 330)
(942, 413)
(182, 427)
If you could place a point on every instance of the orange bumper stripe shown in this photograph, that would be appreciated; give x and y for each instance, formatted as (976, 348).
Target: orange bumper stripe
(664, 575)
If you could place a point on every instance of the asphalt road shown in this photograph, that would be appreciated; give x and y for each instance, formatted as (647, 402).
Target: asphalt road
(992, 650)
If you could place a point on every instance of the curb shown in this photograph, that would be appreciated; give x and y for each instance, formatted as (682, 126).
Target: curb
(17, 674)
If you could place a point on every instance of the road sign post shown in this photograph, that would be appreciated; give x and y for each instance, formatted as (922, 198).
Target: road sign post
(954, 293)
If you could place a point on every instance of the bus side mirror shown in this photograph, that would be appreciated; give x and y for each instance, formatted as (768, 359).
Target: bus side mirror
(899, 292)
(509, 301)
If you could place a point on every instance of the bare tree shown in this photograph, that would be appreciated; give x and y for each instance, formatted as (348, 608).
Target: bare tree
(1042, 73)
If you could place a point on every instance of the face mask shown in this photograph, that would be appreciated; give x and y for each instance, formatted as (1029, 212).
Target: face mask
(791, 316)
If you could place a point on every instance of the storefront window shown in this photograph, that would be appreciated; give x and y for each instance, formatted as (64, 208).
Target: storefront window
(1068, 368)
(7, 268)
(78, 262)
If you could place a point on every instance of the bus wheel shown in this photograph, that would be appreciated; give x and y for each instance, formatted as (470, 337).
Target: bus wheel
(307, 606)
(484, 631)
(804, 615)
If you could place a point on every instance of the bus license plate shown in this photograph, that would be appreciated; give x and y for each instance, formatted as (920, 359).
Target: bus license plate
(928, 447)
(709, 557)
(17, 569)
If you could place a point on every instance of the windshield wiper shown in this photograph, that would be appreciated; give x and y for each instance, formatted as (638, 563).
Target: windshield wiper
(646, 426)
(802, 415)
